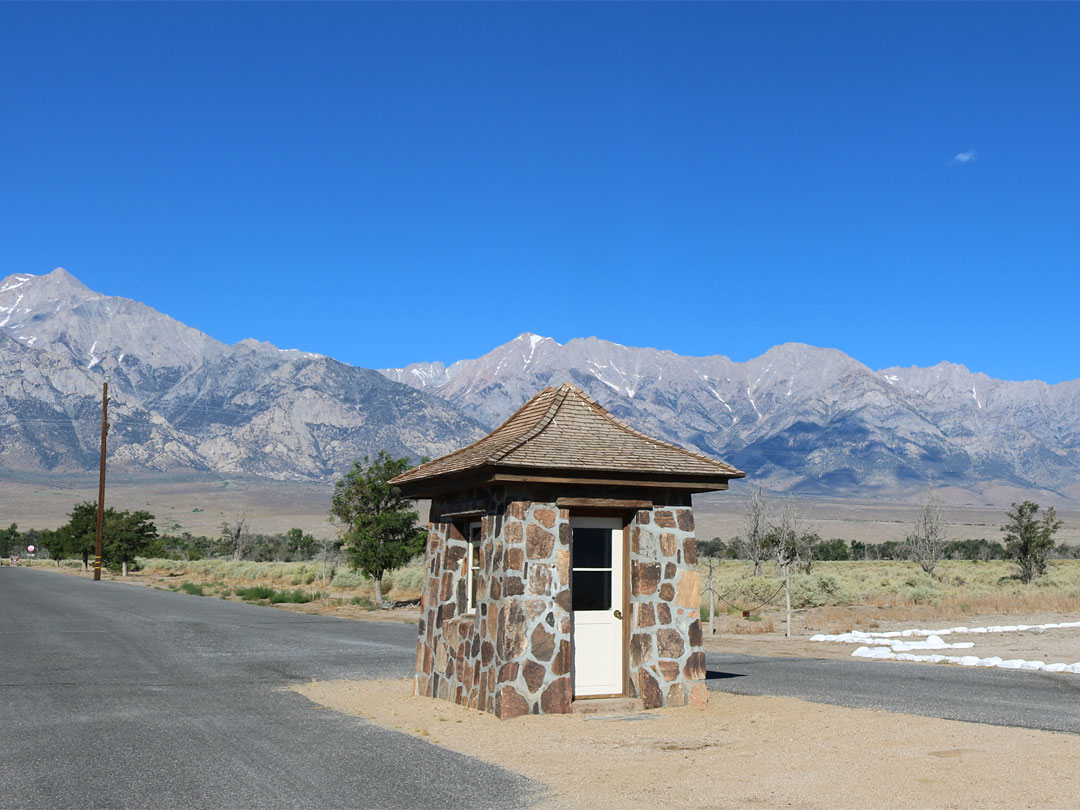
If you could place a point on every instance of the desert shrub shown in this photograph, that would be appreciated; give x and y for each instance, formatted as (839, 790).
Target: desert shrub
(297, 597)
(924, 595)
(922, 589)
(304, 572)
(160, 566)
(752, 590)
(408, 579)
(255, 592)
(193, 588)
(818, 590)
(346, 578)
(1051, 582)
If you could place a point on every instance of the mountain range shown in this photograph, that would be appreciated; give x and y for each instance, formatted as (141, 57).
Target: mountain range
(798, 418)
(181, 401)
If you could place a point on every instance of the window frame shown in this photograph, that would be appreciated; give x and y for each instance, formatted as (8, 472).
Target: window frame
(474, 534)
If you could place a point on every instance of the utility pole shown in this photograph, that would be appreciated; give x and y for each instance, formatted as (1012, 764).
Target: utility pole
(101, 479)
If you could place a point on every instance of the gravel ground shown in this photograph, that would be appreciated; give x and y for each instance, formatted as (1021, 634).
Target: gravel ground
(739, 752)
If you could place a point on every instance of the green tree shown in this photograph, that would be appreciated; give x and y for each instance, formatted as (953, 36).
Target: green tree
(835, 549)
(9, 540)
(380, 531)
(711, 548)
(299, 546)
(126, 535)
(78, 537)
(52, 540)
(1029, 539)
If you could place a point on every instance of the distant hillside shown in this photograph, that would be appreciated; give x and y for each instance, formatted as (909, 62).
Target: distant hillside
(181, 400)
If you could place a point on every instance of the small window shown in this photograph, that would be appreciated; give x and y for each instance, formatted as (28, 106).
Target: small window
(472, 563)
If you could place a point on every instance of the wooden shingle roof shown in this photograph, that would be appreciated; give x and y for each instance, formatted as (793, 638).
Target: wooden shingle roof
(563, 434)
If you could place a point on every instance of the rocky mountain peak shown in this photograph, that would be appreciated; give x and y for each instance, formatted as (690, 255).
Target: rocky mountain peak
(184, 401)
(57, 313)
(61, 279)
(58, 284)
(25, 298)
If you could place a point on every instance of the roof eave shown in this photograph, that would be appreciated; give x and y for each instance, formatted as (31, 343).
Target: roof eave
(503, 474)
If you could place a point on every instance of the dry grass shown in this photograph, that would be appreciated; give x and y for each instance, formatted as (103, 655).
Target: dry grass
(742, 627)
(339, 583)
(842, 594)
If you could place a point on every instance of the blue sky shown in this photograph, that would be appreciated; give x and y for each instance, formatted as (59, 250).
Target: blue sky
(387, 183)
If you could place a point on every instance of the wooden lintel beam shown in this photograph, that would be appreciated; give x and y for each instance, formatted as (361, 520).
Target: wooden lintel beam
(602, 503)
(463, 513)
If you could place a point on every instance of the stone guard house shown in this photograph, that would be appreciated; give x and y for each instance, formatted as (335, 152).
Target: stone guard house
(561, 564)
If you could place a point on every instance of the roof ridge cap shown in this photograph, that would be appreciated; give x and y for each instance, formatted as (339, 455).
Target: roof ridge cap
(538, 428)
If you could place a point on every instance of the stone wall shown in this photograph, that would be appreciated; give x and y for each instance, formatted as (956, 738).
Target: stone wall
(667, 664)
(513, 655)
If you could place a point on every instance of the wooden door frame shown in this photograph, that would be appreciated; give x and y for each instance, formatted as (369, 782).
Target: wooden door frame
(627, 518)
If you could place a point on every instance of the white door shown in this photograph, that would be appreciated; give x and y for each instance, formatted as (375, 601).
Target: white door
(596, 585)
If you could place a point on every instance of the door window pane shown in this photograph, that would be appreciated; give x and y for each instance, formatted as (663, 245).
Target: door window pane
(591, 589)
(591, 548)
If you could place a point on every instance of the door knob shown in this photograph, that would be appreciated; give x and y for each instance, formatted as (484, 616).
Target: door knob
(618, 614)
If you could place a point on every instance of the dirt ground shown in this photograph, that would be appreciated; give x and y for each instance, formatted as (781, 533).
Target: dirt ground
(196, 504)
(739, 752)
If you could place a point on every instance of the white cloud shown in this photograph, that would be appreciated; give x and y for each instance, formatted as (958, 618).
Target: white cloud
(966, 157)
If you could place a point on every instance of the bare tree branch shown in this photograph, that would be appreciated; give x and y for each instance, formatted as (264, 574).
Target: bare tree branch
(926, 544)
(237, 535)
(756, 527)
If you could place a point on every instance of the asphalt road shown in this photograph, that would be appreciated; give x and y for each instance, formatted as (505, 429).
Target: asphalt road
(115, 696)
(999, 697)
